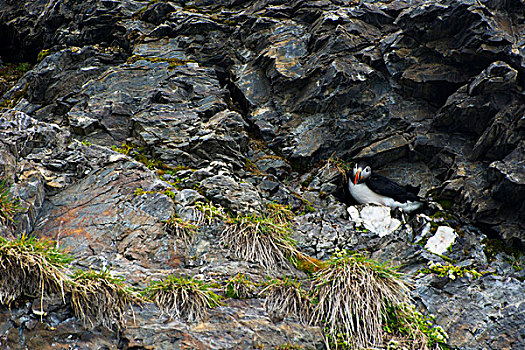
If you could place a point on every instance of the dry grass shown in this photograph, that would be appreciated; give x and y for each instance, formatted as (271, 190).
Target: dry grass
(258, 239)
(187, 298)
(32, 268)
(262, 239)
(352, 294)
(99, 299)
(286, 297)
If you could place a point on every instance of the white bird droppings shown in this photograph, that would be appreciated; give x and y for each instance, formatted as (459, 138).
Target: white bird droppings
(374, 218)
(443, 238)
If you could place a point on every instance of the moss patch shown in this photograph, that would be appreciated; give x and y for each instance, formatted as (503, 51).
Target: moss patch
(450, 271)
(10, 73)
(173, 62)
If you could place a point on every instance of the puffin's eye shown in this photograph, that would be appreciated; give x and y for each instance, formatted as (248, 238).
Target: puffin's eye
(367, 169)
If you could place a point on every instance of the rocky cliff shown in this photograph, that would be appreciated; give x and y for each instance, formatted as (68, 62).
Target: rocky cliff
(131, 112)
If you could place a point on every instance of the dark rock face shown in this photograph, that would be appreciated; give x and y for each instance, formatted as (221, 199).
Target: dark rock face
(244, 102)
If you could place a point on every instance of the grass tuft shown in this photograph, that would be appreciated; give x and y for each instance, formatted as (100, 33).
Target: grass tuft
(281, 214)
(98, 298)
(259, 239)
(207, 213)
(183, 297)
(179, 228)
(352, 294)
(287, 297)
(30, 267)
(240, 287)
(9, 206)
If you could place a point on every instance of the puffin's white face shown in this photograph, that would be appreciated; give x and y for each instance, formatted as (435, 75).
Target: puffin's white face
(361, 172)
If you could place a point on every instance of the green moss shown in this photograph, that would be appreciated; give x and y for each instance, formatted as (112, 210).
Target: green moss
(141, 11)
(493, 247)
(173, 62)
(42, 54)
(124, 149)
(17, 96)
(409, 325)
(446, 204)
(450, 271)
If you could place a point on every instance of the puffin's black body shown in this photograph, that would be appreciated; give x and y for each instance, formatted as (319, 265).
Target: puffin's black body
(386, 187)
(366, 187)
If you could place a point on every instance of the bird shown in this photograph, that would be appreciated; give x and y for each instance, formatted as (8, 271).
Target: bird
(366, 187)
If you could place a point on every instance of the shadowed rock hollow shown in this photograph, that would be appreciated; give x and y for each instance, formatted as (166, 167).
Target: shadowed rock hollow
(243, 103)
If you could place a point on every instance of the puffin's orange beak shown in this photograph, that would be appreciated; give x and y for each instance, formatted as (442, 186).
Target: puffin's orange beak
(357, 176)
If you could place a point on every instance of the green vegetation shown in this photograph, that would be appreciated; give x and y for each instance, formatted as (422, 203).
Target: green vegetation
(240, 287)
(98, 298)
(179, 228)
(10, 74)
(289, 346)
(33, 268)
(411, 328)
(282, 214)
(495, 246)
(352, 294)
(173, 62)
(137, 153)
(30, 267)
(287, 297)
(210, 212)
(260, 239)
(42, 54)
(17, 96)
(124, 149)
(9, 206)
(141, 11)
(358, 302)
(183, 297)
(450, 271)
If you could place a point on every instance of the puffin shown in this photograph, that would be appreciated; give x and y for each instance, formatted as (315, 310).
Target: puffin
(366, 187)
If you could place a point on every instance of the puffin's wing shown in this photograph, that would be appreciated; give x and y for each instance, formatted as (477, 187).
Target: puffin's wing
(386, 187)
